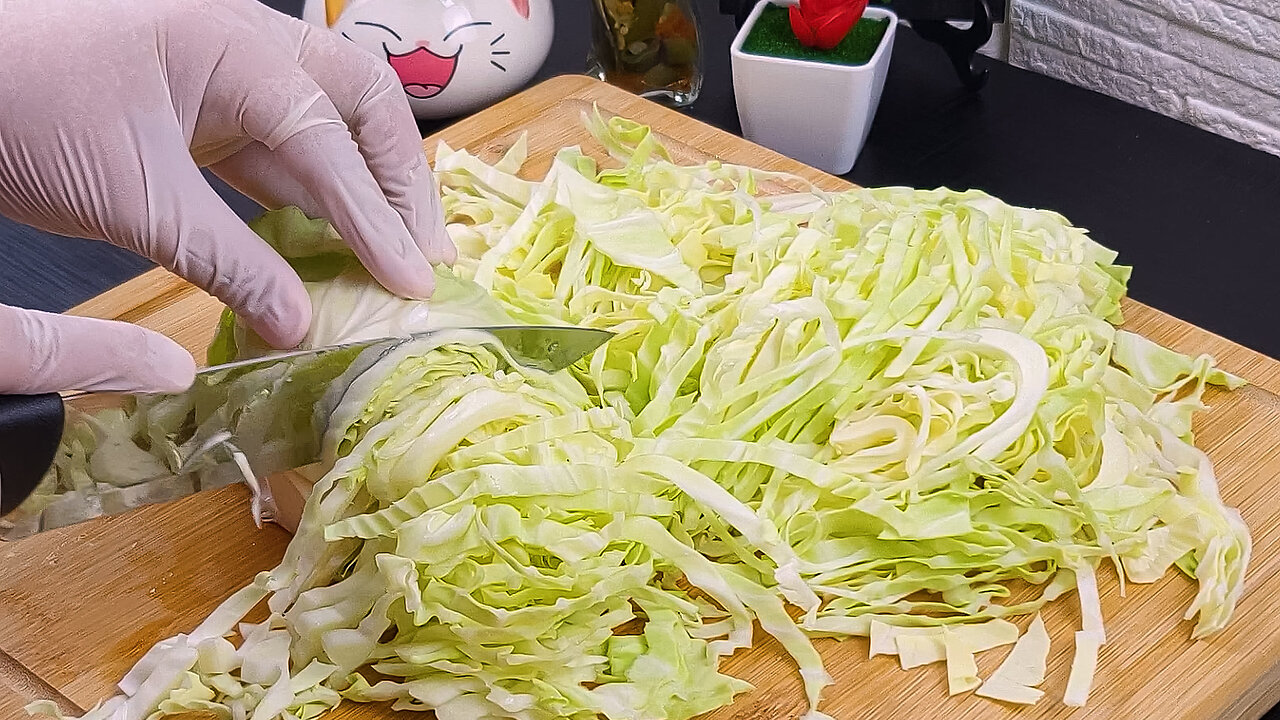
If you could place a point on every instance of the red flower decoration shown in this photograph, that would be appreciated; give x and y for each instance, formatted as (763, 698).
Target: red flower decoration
(824, 23)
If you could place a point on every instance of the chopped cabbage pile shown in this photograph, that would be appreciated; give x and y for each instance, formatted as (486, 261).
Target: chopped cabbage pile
(863, 413)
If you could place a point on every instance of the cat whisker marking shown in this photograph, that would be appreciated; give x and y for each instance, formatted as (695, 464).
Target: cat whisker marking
(379, 26)
(495, 64)
(477, 23)
(500, 52)
(497, 40)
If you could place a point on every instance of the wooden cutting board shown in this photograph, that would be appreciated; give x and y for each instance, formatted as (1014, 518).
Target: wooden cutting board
(80, 605)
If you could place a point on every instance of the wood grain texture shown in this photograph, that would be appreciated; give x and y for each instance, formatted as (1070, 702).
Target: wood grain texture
(78, 606)
(11, 702)
(19, 687)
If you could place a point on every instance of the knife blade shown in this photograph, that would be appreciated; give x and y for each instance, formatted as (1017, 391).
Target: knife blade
(33, 428)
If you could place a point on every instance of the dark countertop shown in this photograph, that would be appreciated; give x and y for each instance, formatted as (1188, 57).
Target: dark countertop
(1192, 212)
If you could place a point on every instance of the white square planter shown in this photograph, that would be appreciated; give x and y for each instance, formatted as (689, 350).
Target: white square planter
(817, 113)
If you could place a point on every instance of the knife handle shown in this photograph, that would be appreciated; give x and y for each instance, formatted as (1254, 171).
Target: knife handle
(30, 432)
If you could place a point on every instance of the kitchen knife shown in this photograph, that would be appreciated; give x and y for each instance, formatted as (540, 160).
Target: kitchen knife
(32, 427)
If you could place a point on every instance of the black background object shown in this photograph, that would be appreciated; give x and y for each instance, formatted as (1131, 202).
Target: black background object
(30, 430)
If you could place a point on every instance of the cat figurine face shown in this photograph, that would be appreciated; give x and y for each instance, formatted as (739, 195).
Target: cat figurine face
(452, 56)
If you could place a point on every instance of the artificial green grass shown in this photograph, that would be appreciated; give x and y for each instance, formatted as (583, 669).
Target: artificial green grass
(772, 36)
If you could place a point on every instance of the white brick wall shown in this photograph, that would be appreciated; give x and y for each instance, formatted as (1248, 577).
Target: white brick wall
(1211, 63)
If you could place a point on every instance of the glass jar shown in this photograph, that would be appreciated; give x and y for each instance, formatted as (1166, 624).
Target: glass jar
(649, 47)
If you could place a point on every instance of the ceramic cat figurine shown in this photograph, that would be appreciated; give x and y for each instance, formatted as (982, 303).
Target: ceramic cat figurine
(452, 56)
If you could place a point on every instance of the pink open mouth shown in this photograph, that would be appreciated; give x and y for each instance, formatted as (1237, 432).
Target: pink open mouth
(423, 73)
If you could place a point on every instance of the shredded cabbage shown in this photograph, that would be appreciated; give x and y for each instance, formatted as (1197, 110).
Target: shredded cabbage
(1026, 663)
(879, 407)
(1016, 679)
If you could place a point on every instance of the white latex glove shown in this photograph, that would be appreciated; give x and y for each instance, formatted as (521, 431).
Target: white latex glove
(109, 107)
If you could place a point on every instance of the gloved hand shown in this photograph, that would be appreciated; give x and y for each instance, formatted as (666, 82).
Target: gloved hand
(109, 109)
